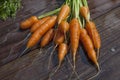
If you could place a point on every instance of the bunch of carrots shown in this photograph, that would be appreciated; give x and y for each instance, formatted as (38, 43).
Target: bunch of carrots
(68, 27)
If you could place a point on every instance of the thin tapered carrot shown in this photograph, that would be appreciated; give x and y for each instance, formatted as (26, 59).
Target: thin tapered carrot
(94, 35)
(41, 31)
(64, 12)
(28, 22)
(58, 39)
(88, 45)
(38, 24)
(47, 38)
(62, 51)
(74, 37)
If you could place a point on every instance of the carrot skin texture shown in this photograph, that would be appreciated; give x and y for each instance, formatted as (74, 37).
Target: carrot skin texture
(47, 38)
(28, 22)
(59, 37)
(63, 26)
(36, 36)
(64, 12)
(93, 33)
(74, 35)
(88, 45)
(38, 23)
(62, 51)
(84, 11)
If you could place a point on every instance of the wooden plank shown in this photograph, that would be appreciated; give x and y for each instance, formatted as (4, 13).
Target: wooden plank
(32, 66)
(10, 45)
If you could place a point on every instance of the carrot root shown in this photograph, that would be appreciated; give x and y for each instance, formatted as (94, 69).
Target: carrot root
(51, 56)
(23, 52)
(98, 53)
(95, 74)
(53, 73)
(27, 37)
(73, 70)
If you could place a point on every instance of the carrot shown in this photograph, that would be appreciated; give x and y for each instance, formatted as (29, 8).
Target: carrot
(88, 45)
(41, 31)
(47, 38)
(58, 39)
(74, 37)
(38, 23)
(64, 12)
(28, 22)
(36, 36)
(94, 35)
(63, 26)
(84, 11)
(62, 51)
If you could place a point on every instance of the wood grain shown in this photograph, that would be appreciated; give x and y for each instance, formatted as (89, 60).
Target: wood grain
(33, 65)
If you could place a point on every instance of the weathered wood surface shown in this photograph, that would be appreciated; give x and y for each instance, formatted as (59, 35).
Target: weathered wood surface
(32, 66)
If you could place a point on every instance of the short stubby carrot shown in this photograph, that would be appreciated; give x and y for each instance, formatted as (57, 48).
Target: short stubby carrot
(64, 12)
(47, 38)
(59, 37)
(74, 37)
(28, 22)
(38, 23)
(63, 26)
(34, 39)
(84, 11)
(94, 35)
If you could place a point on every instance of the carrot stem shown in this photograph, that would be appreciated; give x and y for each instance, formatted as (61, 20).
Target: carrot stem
(49, 13)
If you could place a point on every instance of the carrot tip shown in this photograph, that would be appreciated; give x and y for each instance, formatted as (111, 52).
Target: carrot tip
(74, 62)
(23, 52)
(98, 67)
(98, 53)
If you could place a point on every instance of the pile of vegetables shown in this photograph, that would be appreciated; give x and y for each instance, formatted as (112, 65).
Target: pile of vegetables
(70, 25)
(8, 8)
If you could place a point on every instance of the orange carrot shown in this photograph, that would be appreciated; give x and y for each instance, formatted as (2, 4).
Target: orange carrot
(84, 11)
(64, 12)
(41, 31)
(38, 23)
(47, 38)
(88, 45)
(63, 26)
(28, 22)
(62, 51)
(74, 37)
(58, 39)
(94, 35)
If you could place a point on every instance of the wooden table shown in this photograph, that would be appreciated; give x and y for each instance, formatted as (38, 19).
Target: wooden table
(33, 66)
